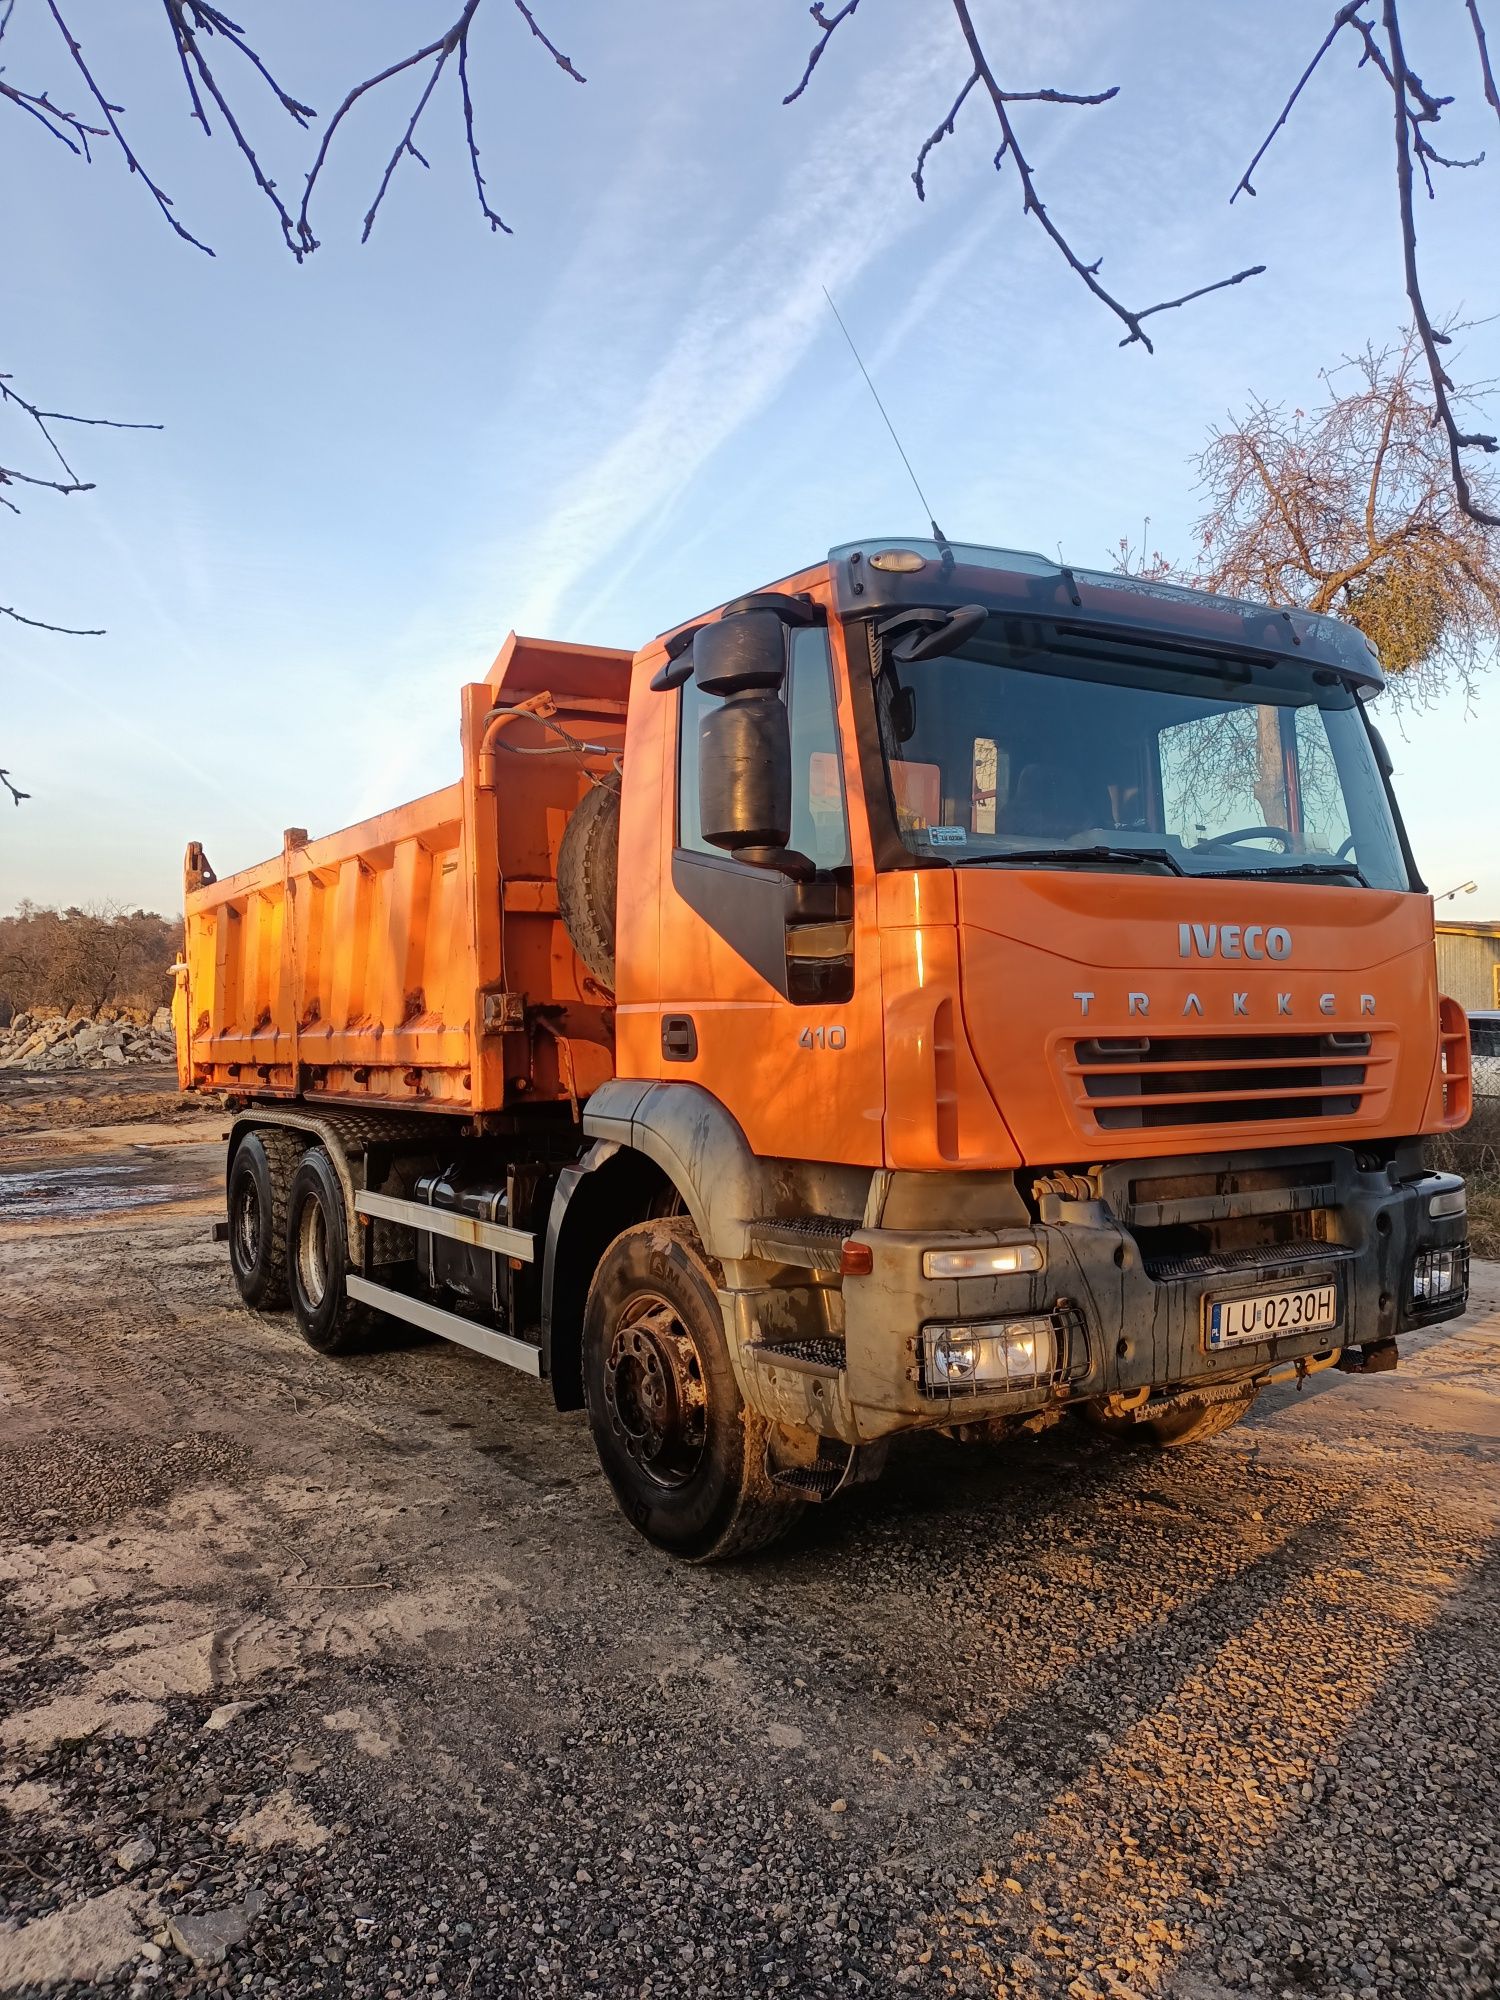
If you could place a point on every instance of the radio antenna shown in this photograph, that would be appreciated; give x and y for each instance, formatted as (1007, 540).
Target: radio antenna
(937, 534)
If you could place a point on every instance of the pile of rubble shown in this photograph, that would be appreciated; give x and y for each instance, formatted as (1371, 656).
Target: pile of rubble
(81, 1041)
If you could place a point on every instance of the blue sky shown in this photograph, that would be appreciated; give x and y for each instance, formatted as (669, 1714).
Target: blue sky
(374, 465)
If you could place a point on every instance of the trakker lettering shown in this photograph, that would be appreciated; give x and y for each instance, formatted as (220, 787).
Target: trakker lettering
(1233, 941)
(1240, 1004)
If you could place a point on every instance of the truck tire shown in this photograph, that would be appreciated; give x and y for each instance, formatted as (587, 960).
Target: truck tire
(1189, 1423)
(686, 1458)
(317, 1257)
(260, 1179)
(588, 870)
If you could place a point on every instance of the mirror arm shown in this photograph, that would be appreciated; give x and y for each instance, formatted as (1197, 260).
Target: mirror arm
(788, 861)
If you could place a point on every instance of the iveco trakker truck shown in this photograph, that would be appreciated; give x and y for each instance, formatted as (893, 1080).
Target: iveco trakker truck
(944, 989)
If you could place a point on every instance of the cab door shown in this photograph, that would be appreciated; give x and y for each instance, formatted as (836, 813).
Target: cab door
(770, 984)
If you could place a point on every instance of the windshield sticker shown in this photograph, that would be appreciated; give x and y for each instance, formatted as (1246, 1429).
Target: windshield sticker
(947, 836)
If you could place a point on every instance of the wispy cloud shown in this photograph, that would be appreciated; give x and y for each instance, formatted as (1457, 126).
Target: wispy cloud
(757, 311)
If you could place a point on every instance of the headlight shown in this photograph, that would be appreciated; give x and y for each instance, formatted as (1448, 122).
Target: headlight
(988, 1354)
(994, 1260)
(1438, 1274)
(1453, 1201)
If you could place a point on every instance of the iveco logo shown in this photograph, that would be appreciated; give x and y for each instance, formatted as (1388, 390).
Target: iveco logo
(1233, 941)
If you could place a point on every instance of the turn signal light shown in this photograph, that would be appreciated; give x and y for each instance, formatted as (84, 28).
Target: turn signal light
(856, 1260)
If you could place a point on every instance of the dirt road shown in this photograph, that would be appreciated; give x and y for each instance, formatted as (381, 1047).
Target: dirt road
(348, 1678)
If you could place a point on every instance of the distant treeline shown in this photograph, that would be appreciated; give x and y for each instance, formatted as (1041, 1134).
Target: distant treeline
(101, 956)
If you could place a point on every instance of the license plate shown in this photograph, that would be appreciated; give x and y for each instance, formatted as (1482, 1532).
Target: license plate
(1274, 1315)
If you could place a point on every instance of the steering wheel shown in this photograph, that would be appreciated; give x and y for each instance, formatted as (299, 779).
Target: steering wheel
(1241, 833)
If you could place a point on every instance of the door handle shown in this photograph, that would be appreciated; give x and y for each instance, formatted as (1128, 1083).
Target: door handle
(679, 1037)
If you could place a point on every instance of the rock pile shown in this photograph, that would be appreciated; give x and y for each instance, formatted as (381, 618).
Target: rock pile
(81, 1041)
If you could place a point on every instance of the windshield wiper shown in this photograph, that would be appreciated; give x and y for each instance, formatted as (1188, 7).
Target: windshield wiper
(1298, 868)
(1157, 856)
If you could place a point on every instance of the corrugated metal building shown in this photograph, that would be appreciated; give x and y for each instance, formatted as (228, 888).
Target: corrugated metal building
(1468, 958)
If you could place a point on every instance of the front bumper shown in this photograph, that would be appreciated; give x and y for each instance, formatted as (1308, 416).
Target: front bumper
(1127, 1317)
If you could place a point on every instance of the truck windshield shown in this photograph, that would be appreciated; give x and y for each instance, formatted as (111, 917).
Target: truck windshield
(1084, 751)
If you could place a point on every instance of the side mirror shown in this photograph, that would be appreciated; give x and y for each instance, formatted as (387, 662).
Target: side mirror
(745, 773)
(741, 655)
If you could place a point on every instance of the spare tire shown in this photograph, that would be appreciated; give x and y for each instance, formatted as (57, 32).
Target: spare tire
(588, 873)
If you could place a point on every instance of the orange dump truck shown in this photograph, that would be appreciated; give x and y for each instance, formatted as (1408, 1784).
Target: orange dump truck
(942, 990)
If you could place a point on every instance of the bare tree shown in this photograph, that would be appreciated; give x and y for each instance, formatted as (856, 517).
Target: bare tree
(88, 958)
(1349, 508)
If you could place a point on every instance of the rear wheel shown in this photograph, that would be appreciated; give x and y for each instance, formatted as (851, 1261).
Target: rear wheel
(260, 1179)
(317, 1256)
(1188, 1423)
(685, 1456)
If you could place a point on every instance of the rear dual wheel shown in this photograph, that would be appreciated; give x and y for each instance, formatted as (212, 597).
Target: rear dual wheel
(317, 1256)
(289, 1239)
(260, 1179)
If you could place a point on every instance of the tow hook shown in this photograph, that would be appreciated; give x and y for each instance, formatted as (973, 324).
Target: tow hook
(1376, 1357)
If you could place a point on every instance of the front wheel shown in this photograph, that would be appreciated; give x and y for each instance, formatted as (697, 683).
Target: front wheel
(685, 1456)
(317, 1257)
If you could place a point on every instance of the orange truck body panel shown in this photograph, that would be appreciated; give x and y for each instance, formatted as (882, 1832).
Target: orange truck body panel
(374, 964)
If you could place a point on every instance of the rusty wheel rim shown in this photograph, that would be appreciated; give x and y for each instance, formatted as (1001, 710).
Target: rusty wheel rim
(247, 1225)
(312, 1253)
(656, 1392)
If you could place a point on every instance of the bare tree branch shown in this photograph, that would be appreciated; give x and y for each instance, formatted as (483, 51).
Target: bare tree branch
(16, 796)
(111, 115)
(936, 137)
(1032, 203)
(548, 44)
(188, 20)
(9, 394)
(829, 23)
(438, 52)
(1341, 20)
(1459, 440)
(495, 221)
(1416, 109)
(945, 130)
(66, 126)
(1491, 94)
(982, 72)
(44, 625)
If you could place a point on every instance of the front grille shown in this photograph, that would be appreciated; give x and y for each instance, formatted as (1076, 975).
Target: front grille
(1135, 1082)
(1272, 1261)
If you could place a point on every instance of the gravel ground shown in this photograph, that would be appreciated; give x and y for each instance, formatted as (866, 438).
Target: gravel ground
(348, 1679)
